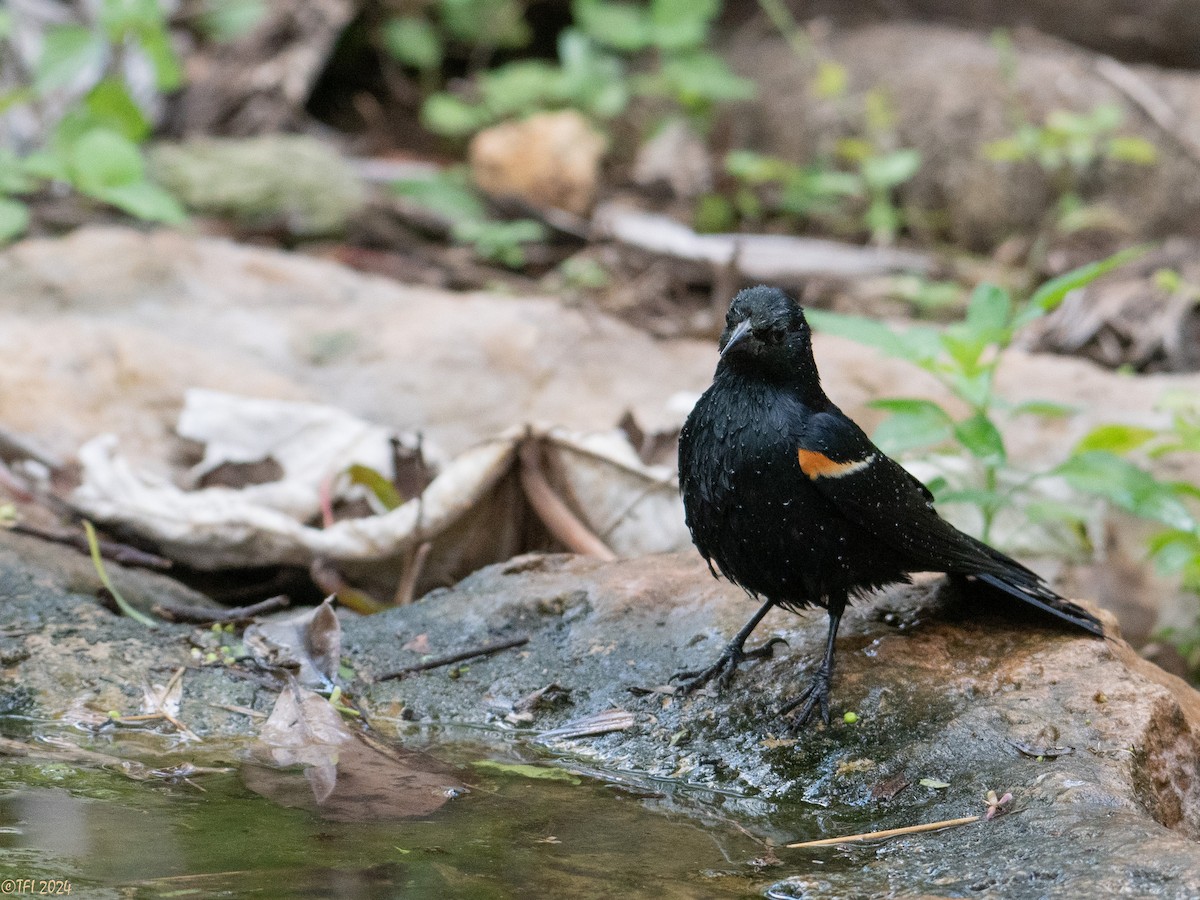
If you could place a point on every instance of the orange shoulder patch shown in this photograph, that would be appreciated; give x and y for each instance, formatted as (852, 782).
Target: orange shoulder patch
(815, 464)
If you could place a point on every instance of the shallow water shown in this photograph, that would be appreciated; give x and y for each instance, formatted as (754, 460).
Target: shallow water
(511, 836)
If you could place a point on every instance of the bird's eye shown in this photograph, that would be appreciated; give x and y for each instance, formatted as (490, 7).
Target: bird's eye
(772, 336)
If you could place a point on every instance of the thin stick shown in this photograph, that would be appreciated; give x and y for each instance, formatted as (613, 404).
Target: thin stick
(554, 513)
(407, 588)
(886, 833)
(117, 552)
(200, 615)
(486, 650)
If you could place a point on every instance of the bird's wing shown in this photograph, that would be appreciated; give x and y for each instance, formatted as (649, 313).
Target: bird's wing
(872, 490)
(876, 493)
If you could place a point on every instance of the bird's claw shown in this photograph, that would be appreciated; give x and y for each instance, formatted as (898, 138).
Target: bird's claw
(724, 668)
(814, 696)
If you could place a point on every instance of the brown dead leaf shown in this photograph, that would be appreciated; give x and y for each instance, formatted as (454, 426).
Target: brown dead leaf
(347, 777)
(419, 644)
(310, 643)
(889, 788)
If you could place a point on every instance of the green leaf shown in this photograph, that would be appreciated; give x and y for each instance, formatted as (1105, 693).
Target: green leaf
(14, 219)
(500, 241)
(448, 115)
(1115, 438)
(525, 770)
(521, 87)
(67, 52)
(1174, 550)
(1045, 510)
(1135, 150)
(681, 24)
(48, 165)
(989, 311)
(622, 26)
(981, 437)
(228, 20)
(14, 179)
(488, 23)
(413, 41)
(104, 159)
(1128, 487)
(109, 105)
(917, 344)
(892, 169)
(383, 489)
(984, 500)
(914, 424)
(448, 194)
(831, 81)
(1051, 294)
(698, 78)
(1045, 408)
(145, 201)
(965, 347)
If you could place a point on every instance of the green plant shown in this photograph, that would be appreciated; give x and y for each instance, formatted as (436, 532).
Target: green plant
(1068, 146)
(94, 145)
(422, 37)
(449, 196)
(853, 190)
(1101, 465)
(590, 73)
(964, 357)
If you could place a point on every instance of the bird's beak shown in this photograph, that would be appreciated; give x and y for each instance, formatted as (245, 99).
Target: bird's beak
(740, 331)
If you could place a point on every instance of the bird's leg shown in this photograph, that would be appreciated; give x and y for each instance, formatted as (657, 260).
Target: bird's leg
(733, 654)
(817, 692)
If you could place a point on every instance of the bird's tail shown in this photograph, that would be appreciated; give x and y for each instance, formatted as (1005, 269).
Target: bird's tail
(1038, 594)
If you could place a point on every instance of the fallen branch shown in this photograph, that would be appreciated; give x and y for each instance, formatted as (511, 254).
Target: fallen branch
(761, 257)
(202, 615)
(1142, 95)
(553, 512)
(886, 833)
(485, 650)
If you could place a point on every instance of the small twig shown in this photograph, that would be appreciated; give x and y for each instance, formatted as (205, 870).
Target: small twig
(117, 552)
(407, 588)
(886, 833)
(202, 615)
(1142, 95)
(550, 508)
(485, 650)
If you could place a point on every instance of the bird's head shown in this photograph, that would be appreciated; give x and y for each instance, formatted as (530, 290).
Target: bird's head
(766, 336)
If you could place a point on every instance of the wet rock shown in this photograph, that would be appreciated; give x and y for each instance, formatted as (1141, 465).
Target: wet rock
(1099, 749)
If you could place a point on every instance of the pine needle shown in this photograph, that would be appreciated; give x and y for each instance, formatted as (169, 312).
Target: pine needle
(887, 833)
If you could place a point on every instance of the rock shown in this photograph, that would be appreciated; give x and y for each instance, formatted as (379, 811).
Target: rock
(291, 182)
(962, 698)
(1160, 31)
(104, 331)
(950, 96)
(549, 159)
(943, 692)
(678, 157)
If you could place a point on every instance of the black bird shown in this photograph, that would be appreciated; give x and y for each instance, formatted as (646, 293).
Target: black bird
(791, 500)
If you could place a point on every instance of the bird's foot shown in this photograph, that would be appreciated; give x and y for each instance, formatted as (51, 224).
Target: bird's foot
(814, 696)
(725, 666)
